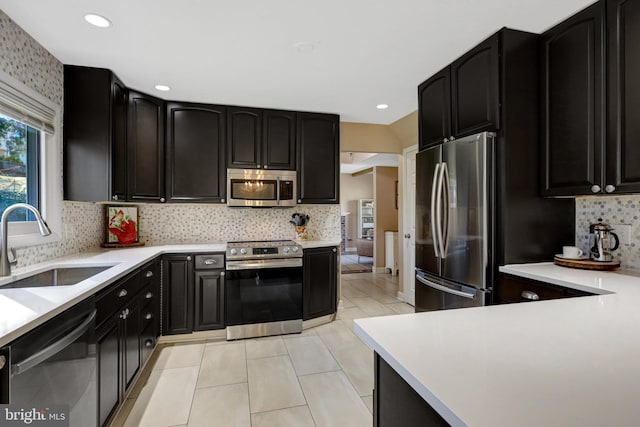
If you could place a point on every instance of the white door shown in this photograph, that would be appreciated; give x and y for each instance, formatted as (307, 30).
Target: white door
(409, 224)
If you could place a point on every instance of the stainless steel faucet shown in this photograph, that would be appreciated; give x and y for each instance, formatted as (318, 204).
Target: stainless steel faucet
(5, 265)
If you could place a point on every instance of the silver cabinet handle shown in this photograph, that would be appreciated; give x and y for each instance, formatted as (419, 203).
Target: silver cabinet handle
(149, 274)
(299, 200)
(222, 201)
(210, 261)
(446, 140)
(595, 188)
(148, 316)
(258, 166)
(123, 293)
(189, 258)
(162, 200)
(610, 188)
(334, 250)
(124, 314)
(3, 361)
(530, 295)
(115, 197)
(452, 138)
(149, 295)
(148, 343)
(222, 274)
(266, 166)
(407, 236)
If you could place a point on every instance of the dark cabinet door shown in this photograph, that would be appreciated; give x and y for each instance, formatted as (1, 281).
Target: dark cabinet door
(209, 300)
(434, 105)
(623, 126)
(279, 139)
(319, 284)
(572, 113)
(318, 146)
(119, 138)
(177, 295)
(145, 145)
(131, 323)
(244, 135)
(196, 153)
(475, 89)
(108, 350)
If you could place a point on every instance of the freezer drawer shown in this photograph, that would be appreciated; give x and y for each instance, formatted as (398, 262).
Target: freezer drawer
(435, 294)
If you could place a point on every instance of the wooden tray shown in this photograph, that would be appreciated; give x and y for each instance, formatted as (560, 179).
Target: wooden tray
(121, 245)
(587, 264)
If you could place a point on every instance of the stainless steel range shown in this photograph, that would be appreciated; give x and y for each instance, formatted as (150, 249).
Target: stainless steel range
(263, 288)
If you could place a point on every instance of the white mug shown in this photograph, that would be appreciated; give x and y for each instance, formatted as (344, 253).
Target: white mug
(571, 252)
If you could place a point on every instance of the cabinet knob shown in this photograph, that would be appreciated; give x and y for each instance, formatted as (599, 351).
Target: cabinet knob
(407, 236)
(223, 201)
(148, 316)
(149, 295)
(610, 188)
(446, 140)
(452, 138)
(148, 343)
(595, 188)
(123, 293)
(124, 314)
(115, 197)
(222, 274)
(266, 166)
(299, 200)
(258, 166)
(3, 361)
(334, 250)
(189, 258)
(149, 273)
(532, 296)
(162, 200)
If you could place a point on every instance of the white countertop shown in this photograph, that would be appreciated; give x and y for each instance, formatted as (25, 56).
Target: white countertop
(565, 362)
(22, 309)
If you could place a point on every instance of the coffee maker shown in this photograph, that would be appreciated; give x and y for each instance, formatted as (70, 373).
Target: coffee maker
(600, 236)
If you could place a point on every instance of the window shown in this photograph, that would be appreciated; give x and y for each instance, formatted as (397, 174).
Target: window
(19, 167)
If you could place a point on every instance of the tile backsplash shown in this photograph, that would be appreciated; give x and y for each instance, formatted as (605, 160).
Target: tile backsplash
(612, 210)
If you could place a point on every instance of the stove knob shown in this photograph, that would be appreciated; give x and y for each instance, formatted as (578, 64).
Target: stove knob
(234, 251)
(285, 249)
(295, 249)
(243, 251)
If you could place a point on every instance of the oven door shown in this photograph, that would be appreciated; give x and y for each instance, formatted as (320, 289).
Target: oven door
(263, 291)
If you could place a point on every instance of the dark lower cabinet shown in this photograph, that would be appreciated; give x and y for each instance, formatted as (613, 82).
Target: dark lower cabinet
(145, 148)
(319, 283)
(318, 146)
(196, 170)
(209, 300)
(572, 113)
(131, 322)
(108, 350)
(396, 403)
(177, 294)
(512, 289)
(623, 126)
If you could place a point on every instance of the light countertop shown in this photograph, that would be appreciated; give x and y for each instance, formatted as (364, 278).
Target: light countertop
(22, 309)
(564, 362)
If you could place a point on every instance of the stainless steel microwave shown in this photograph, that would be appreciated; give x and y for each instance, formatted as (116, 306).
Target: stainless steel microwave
(261, 188)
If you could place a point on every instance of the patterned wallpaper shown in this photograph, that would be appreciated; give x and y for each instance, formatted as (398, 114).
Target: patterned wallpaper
(613, 210)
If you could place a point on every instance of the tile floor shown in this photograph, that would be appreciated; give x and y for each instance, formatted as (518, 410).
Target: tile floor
(322, 377)
(350, 264)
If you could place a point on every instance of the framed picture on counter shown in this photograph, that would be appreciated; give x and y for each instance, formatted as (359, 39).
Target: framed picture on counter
(122, 225)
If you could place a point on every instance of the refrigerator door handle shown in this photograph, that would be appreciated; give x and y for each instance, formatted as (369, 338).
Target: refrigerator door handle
(444, 288)
(445, 226)
(434, 186)
(439, 232)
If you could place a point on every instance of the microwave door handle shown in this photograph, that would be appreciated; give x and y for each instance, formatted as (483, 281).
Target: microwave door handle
(444, 288)
(278, 190)
(434, 185)
(61, 344)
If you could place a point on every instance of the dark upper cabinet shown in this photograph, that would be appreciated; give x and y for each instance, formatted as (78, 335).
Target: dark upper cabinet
(145, 148)
(177, 294)
(572, 105)
(95, 133)
(319, 284)
(261, 139)
(279, 139)
(318, 146)
(209, 300)
(475, 89)
(463, 98)
(434, 99)
(196, 153)
(244, 138)
(623, 126)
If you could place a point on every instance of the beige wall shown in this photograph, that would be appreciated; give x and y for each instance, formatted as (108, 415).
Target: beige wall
(368, 138)
(386, 214)
(406, 129)
(353, 188)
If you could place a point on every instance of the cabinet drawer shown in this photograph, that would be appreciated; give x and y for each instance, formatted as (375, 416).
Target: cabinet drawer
(112, 299)
(205, 262)
(515, 289)
(147, 341)
(150, 273)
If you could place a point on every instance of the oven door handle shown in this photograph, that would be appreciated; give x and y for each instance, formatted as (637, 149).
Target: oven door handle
(260, 264)
(61, 344)
(444, 288)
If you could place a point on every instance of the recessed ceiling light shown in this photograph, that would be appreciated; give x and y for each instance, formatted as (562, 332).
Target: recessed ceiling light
(97, 20)
(382, 106)
(163, 88)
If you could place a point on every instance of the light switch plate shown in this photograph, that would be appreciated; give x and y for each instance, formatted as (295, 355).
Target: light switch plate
(624, 233)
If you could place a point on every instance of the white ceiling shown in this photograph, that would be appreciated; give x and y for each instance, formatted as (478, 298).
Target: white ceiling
(354, 162)
(242, 52)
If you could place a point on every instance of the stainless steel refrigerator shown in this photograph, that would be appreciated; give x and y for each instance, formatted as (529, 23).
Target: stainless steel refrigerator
(455, 193)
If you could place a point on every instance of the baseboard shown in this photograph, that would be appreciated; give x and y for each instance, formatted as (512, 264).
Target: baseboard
(217, 335)
(351, 250)
(400, 296)
(379, 270)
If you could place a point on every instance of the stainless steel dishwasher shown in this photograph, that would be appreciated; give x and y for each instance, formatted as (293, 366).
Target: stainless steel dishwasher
(55, 364)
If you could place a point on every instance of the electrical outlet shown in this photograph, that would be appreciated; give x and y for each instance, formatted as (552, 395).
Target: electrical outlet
(624, 233)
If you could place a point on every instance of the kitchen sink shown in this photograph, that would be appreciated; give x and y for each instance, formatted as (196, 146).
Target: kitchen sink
(65, 276)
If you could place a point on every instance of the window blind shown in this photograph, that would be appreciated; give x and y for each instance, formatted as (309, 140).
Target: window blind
(20, 106)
